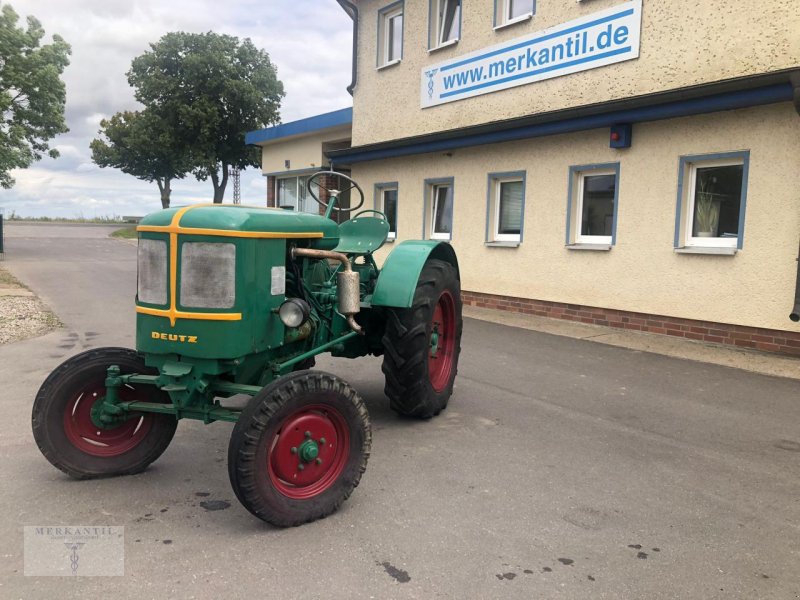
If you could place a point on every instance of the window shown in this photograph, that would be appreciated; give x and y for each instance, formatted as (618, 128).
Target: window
(445, 23)
(711, 201)
(592, 206)
(390, 34)
(439, 208)
(506, 207)
(152, 271)
(386, 202)
(508, 12)
(291, 193)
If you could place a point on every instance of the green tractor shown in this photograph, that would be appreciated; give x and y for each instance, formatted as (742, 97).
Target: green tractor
(239, 300)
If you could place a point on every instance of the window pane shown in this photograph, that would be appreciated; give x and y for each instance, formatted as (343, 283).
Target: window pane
(598, 204)
(395, 32)
(152, 255)
(302, 194)
(717, 201)
(510, 208)
(517, 8)
(449, 17)
(390, 208)
(443, 209)
(287, 192)
(305, 202)
(208, 275)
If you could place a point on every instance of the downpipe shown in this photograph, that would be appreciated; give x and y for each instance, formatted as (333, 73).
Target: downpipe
(348, 284)
(795, 314)
(352, 12)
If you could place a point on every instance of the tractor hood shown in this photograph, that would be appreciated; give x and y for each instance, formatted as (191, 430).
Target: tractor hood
(248, 221)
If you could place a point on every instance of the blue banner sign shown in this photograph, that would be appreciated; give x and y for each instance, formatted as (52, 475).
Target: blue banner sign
(603, 38)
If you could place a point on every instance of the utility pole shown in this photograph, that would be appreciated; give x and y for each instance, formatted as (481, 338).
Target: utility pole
(237, 185)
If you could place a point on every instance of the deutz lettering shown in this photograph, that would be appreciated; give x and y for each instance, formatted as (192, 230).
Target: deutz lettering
(174, 337)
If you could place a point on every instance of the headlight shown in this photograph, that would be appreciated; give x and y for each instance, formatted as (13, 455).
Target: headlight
(294, 312)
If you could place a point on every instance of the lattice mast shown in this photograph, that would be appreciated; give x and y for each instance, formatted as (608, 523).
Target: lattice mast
(237, 185)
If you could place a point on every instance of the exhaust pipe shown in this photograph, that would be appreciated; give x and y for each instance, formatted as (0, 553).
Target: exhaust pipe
(348, 284)
(795, 314)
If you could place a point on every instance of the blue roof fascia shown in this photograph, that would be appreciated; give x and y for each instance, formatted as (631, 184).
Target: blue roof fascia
(337, 118)
(681, 108)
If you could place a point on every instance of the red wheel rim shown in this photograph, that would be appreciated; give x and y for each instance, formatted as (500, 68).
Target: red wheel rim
(89, 438)
(442, 342)
(289, 470)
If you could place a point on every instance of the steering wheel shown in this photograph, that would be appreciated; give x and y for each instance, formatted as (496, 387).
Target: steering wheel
(334, 192)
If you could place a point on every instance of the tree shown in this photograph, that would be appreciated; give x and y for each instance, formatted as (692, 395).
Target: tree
(211, 89)
(142, 145)
(32, 95)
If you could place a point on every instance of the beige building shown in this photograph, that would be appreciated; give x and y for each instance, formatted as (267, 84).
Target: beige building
(633, 164)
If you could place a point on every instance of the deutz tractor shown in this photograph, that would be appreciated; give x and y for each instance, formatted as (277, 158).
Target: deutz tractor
(236, 300)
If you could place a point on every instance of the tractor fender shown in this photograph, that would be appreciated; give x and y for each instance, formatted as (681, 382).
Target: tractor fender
(398, 278)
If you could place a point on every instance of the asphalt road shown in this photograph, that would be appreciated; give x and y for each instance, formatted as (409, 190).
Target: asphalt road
(562, 469)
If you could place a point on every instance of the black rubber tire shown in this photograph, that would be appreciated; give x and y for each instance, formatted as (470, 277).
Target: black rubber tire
(69, 379)
(406, 345)
(257, 427)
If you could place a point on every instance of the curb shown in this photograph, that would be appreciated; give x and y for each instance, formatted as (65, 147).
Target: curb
(747, 360)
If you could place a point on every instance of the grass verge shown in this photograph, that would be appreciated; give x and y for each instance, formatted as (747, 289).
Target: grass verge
(7, 280)
(128, 233)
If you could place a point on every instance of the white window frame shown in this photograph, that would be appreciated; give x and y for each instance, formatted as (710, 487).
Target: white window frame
(578, 174)
(431, 188)
(385, 16)
(380, 204)
(436, 23)
(688, 201)
(297, 177)
(590, 239)
(496, 180)
(502, 14)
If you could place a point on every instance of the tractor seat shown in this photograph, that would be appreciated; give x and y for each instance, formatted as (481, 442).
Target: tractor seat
(362, 235)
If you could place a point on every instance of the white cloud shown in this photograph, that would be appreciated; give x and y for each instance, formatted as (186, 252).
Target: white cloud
(309, 42)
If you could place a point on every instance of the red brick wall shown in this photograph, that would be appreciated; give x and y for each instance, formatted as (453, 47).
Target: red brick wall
(271, 190)
(768, 340)
(332, 182)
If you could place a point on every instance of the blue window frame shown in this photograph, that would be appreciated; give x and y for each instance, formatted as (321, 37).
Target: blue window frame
(712, 196)
(592, 205)
(390, 34)
(444, 23)
(505, 207)
(437, 215)
(386, 200)
(508, 12)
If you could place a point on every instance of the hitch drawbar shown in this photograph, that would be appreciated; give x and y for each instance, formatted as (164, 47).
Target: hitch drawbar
(348, 284)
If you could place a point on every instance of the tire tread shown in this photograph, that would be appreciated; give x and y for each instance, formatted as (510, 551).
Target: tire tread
(405, 344)
(247, 435)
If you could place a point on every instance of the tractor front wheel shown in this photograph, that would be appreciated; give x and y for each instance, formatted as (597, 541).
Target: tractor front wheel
(422, 343)
(299, 448)
(66, 433)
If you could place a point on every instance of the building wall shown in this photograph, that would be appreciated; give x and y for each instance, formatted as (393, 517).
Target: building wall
(302, 152)
(684, 43)
(642, 273)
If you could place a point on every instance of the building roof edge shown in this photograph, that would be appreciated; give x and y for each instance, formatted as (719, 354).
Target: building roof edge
(711, 97)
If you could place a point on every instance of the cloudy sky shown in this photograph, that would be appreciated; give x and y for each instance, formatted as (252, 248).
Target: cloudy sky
(308, 40)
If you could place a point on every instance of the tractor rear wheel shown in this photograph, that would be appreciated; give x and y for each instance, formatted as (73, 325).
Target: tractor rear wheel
(422, 344)
(299, 448)
(68, 437)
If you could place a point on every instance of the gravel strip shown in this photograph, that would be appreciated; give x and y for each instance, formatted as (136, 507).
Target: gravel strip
(22, 317)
